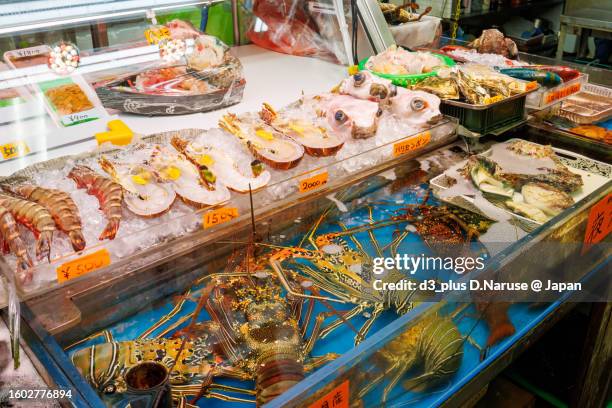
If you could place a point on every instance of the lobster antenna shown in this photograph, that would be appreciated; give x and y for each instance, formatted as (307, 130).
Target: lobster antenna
(252, 213)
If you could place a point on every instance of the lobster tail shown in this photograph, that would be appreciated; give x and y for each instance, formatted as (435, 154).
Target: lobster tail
(276, 374)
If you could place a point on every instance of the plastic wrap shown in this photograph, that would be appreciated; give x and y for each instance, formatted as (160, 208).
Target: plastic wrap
(299, 27)
(196, 73)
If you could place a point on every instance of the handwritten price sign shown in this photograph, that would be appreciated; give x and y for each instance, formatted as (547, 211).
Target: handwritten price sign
(411, 144)
(337, 398)
(219, 216)
(599, 224)
(314, 182)
(83, 265)
(562, 93)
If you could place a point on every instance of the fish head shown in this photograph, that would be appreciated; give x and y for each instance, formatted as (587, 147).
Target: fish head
(351, 117)
(416, 107)
(365, 85)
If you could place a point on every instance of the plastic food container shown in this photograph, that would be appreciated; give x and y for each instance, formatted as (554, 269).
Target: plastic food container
(546, 97)
(484, 119)
(591, 105)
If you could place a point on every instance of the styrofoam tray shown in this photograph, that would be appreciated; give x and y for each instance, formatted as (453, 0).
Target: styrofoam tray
(594, 175)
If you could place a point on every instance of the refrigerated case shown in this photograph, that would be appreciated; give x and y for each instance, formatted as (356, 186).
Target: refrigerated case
(149, 280)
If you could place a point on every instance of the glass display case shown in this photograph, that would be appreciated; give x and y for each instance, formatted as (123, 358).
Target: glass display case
(315, 263)
(235, 220)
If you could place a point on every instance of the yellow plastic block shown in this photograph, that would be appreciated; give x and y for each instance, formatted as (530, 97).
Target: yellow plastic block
(119, 134)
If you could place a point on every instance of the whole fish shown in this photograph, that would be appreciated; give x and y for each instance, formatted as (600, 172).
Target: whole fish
(108, 193)
(60, 205)
(36, 218)
(546, 78)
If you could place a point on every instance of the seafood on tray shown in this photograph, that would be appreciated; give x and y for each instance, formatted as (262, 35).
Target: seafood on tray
(194, 187)
(108, 193)
(398, 61)
(59, 204)
(36, 218)
(13, 242)
(169, 81)
(365, 85)
(214, 162)
(526, 178)
(476, 84)
(316, 140)
(144, 194)
(264, 142)
(395, 14)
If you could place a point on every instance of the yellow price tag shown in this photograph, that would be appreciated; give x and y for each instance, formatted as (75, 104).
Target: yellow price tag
(14, 149)
(83, 265)
(410, 144)
(314, 182)
(156, 34)
(219, 216)
(353, 69)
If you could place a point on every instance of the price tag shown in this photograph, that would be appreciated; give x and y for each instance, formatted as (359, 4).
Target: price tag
(599, 223)
(14, 149)
(83, 265)
(314, 182)
(410, 144)
(155, 34)
(563, 92)
(219, 216)
(337, 398)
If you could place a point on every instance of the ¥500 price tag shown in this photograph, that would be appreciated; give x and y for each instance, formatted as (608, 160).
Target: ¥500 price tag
(337, 398)
(411, 144)
(219, 216)
(599, 223)
(83, 265)
(562, 93)
(314, 182)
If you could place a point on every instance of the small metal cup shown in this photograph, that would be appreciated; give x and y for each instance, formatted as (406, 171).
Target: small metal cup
(148, 386)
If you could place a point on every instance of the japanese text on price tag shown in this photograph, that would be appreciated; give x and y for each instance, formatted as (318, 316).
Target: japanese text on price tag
(219, 216)
(83, 265)
(314, 182)
(599, 223)
(337, 398)
(14, 149)
(410, 144)
(563, 92)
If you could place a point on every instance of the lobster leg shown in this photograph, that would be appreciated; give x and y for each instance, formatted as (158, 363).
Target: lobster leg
(108, 337)
(399, 372)
(347, 316)
(316, 362)
(378, 309)
(374, 382)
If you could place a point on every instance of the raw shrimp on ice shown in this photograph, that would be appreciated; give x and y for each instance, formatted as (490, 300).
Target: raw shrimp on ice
(12, 241)
(108, 193)
(60, 205)
(36, 218)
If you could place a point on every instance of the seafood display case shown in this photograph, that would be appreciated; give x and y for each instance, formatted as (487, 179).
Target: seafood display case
(283, 310)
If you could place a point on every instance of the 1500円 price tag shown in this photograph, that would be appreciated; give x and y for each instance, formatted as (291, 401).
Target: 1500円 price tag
(83, 265)
(219, 216)
(411, 144)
